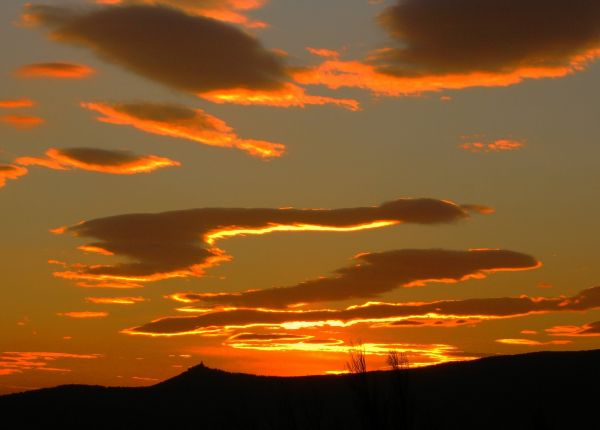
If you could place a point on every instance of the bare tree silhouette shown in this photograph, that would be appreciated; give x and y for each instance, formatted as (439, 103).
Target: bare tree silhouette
(400, 364)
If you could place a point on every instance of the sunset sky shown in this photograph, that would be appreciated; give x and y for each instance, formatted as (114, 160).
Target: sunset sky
(258, 184)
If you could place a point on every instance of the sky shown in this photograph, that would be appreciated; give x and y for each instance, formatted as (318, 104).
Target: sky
(262, 184)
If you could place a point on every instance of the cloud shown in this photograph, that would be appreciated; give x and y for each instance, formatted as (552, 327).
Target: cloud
(376, 273)
(223, 10)
(115, 300)
(98, 160)
(55, 70)
(22, 121)
(182, 123)
(531, 342)
(18, 362)
(83, 314)
(167, 45)
(439, 45)
(10, 171)
(444, 313)
(16, 103)
(178, 50)
(181, 244)
(587, 330)
(493, 146)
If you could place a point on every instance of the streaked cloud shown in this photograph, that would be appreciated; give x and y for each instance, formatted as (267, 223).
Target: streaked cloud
(16, 103)
(182, 244)
(372, 274)
(83, 314)
(115, 300)
(443, 313)
(12, 362)
(55, 70)
(586, 330)
(498, 145)
(531, 342)
(24, 122)
(182, 123)
(10, 171)
(98, 160)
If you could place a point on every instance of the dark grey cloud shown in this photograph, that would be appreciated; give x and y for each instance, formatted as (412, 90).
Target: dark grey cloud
(463, 36)
(373, 274)
(473, 310)
(190, 53)
(182, 243)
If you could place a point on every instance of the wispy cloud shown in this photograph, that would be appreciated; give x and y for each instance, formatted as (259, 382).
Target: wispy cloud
(24, 122)
(182, 123)
(55, 70)
(19, 362)
(98, 160)
(83, 314)
(16, 103)
(10, 171)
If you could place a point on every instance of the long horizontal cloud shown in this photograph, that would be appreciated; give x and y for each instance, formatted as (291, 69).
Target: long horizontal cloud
(17, 362)
(83, 314)
(10, 171)
(442, 313)
(22, 121)
(587, 330)
(55, 70)
(98, 160)
(377, 273)
(177, 49)
(182, 243)
(182, 123)
(16, 103)
(222, 10)
(464, 43)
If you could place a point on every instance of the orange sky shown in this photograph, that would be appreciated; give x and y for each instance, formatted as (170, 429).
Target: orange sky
(314, 180)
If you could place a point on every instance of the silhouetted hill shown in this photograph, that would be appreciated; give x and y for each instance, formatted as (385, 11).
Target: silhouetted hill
(546, 390)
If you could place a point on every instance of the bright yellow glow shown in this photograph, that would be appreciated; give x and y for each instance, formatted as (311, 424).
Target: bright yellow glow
(212, 236)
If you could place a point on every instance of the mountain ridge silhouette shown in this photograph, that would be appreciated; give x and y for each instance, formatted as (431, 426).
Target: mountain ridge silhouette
(540, 390)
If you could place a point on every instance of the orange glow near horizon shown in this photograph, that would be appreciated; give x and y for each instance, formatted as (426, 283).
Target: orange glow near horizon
(419, 355)
(16, 103)
(336, 74)
(203, 128)
(290, 95)
(57, 160)
(55, 70)
(22, 121)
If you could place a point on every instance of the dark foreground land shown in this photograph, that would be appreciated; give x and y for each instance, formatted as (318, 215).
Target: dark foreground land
(546, 390)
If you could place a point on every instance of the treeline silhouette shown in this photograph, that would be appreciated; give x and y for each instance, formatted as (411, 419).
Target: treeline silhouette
(546, 390)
